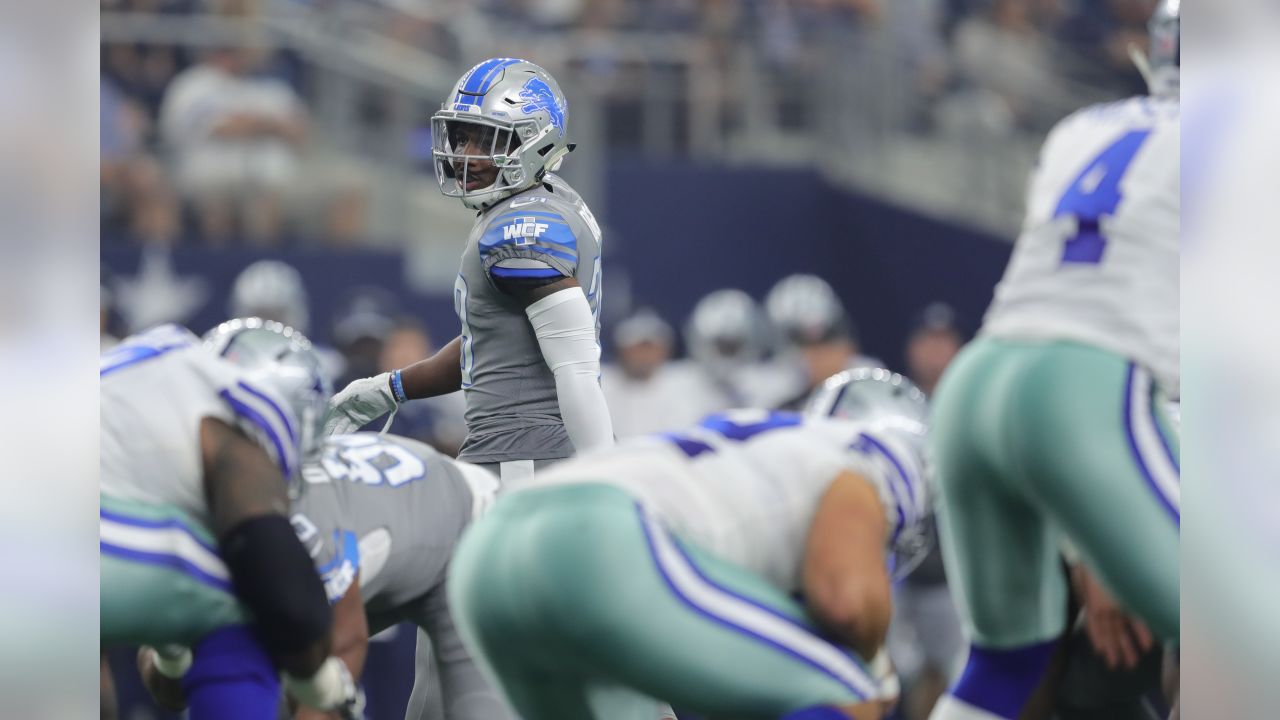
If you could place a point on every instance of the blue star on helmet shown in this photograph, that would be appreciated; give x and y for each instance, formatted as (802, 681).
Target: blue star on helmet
(538, 95)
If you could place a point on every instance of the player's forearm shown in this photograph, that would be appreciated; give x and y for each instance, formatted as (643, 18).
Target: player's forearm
(439, 374)
(583, 409)
(566, 332)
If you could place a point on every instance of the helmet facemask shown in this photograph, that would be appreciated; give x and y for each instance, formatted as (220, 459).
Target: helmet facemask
(479, 159)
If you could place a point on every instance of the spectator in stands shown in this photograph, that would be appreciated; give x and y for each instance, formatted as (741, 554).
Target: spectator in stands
(645, 390)
(234, 139)
(135, 195)
(1005, 57)
(925, 639)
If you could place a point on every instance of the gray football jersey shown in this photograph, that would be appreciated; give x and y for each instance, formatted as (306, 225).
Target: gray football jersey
(388, 508)
(512, 409)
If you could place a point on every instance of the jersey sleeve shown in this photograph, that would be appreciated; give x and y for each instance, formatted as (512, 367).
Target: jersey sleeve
(895, 471)
(264, 417)
(318, 520)
(539, 244)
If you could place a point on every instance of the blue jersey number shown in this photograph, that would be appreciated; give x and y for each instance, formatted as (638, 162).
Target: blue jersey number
(736, 426)
(1095, 193)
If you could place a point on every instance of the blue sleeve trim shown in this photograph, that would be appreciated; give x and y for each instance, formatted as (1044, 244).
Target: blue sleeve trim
(283, 456)
(284, 417)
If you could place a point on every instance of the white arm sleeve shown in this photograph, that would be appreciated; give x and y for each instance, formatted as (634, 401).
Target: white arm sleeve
(566, 334)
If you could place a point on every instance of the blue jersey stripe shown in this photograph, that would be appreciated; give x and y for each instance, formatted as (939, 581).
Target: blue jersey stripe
(502, 272)
(283, 455)
(572, 258)
(484, 74)
(284, 418)
(172, 562)
(165, 524)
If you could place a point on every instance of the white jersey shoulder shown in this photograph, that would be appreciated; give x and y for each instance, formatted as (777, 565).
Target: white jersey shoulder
(1097, 259)
(155, 390)
(745, 485)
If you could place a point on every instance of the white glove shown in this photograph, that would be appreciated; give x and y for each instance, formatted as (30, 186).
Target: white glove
(171, 661)
(886, 677)
(331, 689)
(358, 404)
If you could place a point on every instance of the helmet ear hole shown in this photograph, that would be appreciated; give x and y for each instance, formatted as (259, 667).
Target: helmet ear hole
(546, 149)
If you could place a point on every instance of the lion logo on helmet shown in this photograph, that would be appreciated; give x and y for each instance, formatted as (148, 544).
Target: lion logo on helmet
(538, 95)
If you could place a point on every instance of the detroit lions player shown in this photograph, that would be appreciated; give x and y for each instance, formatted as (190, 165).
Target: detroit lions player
(528, 292)
(1050, 423)
(197, 444)
(380, 515)
(664, 567)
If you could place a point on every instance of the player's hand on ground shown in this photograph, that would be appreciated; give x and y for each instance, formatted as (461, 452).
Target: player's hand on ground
(1119, 637)
(358, 404)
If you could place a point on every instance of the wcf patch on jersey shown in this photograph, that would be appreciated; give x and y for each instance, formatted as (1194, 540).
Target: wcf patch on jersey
(525, 230)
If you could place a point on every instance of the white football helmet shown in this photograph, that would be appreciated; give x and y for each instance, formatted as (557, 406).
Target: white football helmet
(803, 310)
(726, 330)
(507, 112)
(1161, 65)
(281, 360)
(271, 290)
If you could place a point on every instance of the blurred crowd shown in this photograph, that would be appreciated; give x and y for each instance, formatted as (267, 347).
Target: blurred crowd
(217, 144)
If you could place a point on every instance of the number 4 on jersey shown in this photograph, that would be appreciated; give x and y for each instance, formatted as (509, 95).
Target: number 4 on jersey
(1095, 193)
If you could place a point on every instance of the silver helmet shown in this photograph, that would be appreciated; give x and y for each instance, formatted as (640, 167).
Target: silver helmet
(894, 405)
(803, 310)
(502, 128)
(1161, 65)
(725, 330)
(281, 360)
(271, 290)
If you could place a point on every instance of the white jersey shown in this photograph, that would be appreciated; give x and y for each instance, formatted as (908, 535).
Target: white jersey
(745, 485)
(156, 387)
(1097, 261)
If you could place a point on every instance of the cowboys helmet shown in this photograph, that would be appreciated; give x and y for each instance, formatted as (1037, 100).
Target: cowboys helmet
(502, 128)
(804, 310)
(893, 405)
(281, 360)
(271, 290)
(1162, 63)
(725, 330)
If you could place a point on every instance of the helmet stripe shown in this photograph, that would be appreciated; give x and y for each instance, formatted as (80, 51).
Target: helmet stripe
(480, 79)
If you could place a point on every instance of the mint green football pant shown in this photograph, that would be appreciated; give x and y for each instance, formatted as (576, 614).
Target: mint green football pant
(162, 580)
(1036, 441)
(582, 605)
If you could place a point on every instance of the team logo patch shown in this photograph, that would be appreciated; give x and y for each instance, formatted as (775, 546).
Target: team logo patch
(537, 95)
(525, 230)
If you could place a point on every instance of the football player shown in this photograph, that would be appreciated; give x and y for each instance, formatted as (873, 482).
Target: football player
(528, 291)
(1051, 425)
(380, 516)
(665, 567)
(198, 442)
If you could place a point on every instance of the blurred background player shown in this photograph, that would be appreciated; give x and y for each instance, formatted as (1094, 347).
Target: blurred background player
(816, 336)
(528, 292)
(728, 336)
(645, 388)
(275, 290)
(198, 443)
(1051, 425)
(664, 568)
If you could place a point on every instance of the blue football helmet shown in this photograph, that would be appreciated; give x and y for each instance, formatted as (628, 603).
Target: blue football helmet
(502, 128)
